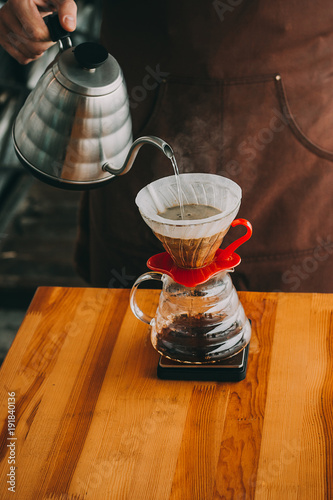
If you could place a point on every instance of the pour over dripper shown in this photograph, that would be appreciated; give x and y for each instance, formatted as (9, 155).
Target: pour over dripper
(200, 318)
(191, 243)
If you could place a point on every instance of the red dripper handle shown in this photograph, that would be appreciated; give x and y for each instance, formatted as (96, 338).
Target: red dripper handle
(227, 252)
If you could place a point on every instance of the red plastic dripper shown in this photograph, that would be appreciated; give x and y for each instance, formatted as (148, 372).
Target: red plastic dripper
(224, 259)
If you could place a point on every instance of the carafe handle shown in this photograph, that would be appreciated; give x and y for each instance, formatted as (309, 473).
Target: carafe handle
(142, 316)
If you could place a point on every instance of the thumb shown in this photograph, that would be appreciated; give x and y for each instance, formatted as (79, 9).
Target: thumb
(67, 14)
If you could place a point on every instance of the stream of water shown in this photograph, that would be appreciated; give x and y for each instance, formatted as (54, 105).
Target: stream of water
(179, 189)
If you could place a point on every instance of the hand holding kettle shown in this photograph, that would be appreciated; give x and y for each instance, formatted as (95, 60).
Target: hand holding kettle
(74, 130)
(23, 33)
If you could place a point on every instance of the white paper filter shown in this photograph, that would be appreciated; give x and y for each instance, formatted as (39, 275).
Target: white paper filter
(200, 189)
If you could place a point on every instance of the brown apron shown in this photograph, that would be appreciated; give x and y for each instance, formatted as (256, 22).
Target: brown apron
(239, 88)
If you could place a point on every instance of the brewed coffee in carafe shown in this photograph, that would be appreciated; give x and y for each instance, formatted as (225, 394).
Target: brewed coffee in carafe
(200, 324)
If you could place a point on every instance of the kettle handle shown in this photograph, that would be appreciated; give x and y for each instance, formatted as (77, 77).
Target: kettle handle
(57, 32)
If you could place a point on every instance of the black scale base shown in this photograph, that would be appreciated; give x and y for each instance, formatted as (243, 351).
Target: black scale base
(231, 369)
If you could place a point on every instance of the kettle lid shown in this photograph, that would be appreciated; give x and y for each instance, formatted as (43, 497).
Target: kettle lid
(88, 69)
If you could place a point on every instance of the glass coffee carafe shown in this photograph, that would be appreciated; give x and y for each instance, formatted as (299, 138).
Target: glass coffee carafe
(200, 318)
(197, 324)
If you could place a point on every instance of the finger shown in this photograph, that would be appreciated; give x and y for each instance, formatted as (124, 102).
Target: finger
(67, 13)
(14, 40)
(30, 19)
(16, 35)
(19, 53)
(22, 53)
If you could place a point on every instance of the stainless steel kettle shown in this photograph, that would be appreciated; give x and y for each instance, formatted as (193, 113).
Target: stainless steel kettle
(75, 130)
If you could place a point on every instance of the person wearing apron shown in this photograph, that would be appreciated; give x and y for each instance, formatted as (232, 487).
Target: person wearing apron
(238, 88)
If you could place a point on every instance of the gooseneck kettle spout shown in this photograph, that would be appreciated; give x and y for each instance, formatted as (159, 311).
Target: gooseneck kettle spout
(75, 130)
(134, 149)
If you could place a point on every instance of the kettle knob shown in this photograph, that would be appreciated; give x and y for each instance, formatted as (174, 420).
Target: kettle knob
(90, 55)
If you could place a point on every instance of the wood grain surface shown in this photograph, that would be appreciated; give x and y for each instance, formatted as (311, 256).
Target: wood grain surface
(93, 421)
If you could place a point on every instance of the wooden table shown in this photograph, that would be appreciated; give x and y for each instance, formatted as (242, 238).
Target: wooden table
(93, 421)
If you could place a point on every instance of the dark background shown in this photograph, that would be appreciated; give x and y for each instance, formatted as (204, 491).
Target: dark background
(38, 223)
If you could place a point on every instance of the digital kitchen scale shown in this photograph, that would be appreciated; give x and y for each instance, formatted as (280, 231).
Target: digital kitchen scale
(231, 369)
